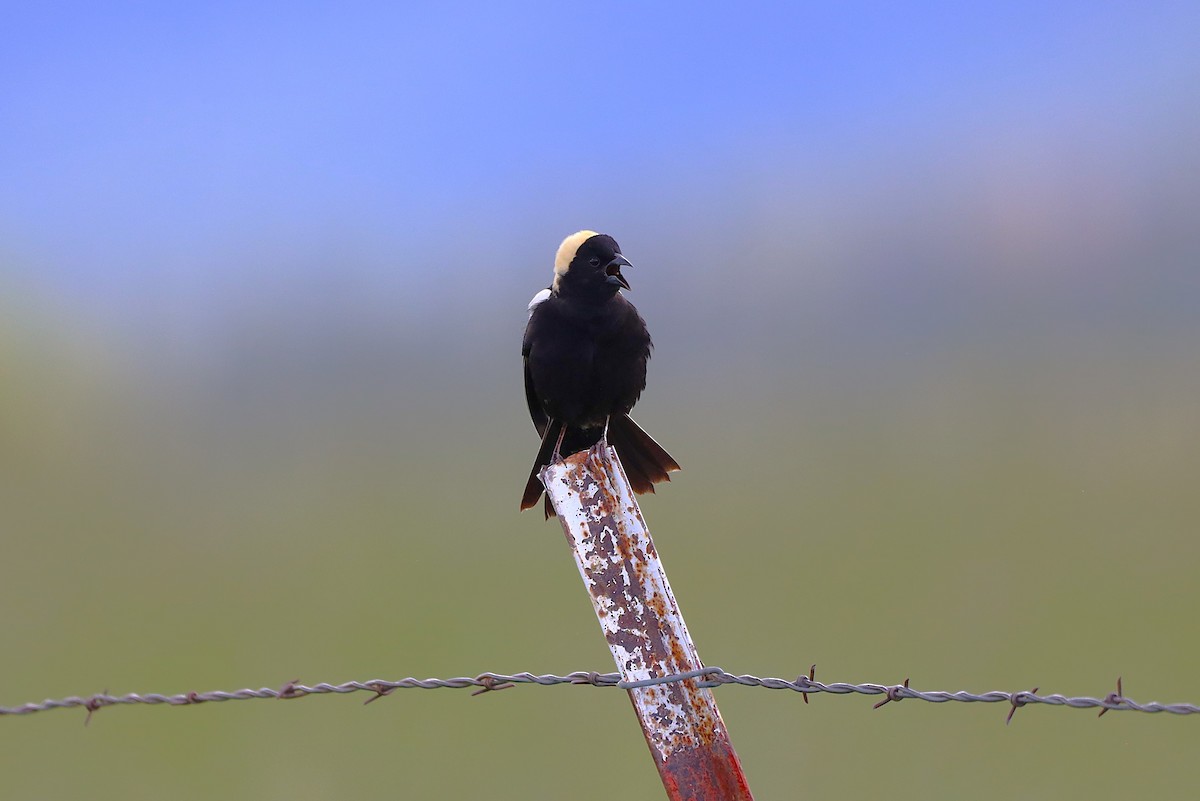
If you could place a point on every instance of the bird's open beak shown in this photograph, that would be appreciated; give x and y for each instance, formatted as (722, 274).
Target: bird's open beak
(614, 271)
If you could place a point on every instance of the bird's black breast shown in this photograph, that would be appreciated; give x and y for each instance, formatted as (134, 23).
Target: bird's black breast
(584, 362)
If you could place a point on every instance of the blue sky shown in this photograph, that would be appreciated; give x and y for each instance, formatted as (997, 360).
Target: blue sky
(162, 150)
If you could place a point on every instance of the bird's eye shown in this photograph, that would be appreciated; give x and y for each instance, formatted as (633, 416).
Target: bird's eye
(594, 261)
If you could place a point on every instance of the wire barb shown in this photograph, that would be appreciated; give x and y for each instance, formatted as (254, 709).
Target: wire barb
(1116, 699)
(705, 677)
(491, 684)
(893, 694)
(1018, 701)
(289, 691)
(812, 674)
(94, 703)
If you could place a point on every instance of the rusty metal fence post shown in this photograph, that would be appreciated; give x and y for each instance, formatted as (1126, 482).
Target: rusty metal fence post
(643, 626)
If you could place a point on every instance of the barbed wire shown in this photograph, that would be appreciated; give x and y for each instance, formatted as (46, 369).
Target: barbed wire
(708, 677)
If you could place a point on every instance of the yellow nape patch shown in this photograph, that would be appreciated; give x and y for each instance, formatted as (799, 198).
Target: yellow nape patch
(568, 249)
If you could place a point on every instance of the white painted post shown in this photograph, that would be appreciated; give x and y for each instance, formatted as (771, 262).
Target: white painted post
(643, 626)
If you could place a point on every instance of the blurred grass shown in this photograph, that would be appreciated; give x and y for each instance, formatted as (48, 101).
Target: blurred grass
(983, 513)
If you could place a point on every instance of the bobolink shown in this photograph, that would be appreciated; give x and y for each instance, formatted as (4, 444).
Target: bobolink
(585, 350)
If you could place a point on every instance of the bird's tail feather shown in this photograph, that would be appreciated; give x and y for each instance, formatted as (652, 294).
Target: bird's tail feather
(646, 462)
(533, 487)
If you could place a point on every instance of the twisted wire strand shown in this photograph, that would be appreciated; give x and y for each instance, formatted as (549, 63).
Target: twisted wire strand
(707, 677)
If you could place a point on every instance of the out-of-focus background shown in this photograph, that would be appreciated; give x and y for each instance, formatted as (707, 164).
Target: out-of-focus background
(923, 281)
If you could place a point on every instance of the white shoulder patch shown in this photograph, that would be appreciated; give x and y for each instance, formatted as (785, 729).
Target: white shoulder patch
(538, 298)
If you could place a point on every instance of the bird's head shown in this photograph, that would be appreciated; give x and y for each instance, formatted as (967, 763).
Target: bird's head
(589, 264)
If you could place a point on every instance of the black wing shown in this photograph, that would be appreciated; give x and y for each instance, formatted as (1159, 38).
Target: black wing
(536, 412)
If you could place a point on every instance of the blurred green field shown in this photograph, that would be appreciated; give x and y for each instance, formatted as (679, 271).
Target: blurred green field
(976, 512)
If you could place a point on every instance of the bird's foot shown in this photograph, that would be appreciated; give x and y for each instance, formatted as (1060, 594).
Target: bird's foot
(556, 457)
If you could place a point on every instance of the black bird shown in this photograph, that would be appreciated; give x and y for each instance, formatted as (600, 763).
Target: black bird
(585, 352)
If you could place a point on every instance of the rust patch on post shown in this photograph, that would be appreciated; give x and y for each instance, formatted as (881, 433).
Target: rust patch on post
(642, 624)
